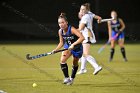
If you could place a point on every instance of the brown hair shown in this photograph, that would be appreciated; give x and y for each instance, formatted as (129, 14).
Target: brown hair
(63, 15)
(87, 5)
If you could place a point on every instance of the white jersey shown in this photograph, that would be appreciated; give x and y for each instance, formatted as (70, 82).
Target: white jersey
(87, 32)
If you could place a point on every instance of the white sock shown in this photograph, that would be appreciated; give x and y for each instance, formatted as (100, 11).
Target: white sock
(92, 61)
(83, 62)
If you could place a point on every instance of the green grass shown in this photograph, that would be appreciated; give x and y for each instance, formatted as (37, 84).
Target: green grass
(17, 74)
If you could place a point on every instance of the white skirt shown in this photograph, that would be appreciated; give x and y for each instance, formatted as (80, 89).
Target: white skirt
(88, 35)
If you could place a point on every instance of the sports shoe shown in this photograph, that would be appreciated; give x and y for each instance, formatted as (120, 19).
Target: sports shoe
(66, 80)
(1, 91)
(82, 71)
(125, 59)
(99, 68)
(110, 59)
(70, 82)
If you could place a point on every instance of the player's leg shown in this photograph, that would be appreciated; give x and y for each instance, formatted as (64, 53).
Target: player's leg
(77, 53)
(91, 59)
(112, 50)
(121, 44)
(83, 61)
(83, 65)
(74, 67)
(74, 70)
(89, 38)
(65, 55)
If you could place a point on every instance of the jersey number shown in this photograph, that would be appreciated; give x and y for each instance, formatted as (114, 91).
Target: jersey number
(69, 42)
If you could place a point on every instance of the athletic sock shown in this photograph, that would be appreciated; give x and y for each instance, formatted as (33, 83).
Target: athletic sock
(92, 61)
(123, 53)
(64, 68)
(74, 71)
(112, 50)
(83, 62)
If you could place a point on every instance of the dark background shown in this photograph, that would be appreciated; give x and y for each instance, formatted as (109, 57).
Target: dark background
(36, 20)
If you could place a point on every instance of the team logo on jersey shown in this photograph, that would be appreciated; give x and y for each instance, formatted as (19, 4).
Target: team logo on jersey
(69, 38)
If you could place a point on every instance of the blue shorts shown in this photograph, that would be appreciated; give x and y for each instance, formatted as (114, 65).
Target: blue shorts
(77, 52)
(121, 35)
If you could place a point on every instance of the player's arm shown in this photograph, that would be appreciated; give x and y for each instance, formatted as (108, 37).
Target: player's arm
(83, 23)
(122, 25)
(109, 29)
(81, 26)
(98, 18)
(78, 34)
(60, 41)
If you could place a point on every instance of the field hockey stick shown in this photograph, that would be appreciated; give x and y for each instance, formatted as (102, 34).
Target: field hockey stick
(108, 19)
(43, 55)
(108, 42)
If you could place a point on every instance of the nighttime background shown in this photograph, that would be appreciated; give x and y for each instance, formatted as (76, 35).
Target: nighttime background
(36, 20)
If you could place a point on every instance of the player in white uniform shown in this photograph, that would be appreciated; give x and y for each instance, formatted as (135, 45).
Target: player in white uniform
(87, 19)
(85, 26)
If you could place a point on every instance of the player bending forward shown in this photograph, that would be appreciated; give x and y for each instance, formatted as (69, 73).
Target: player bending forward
(72, 39)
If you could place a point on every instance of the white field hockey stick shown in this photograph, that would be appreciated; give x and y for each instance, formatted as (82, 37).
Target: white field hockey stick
(43, 55)
(106, 20)
(108, 42)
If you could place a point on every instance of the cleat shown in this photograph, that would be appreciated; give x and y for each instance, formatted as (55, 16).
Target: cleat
(82, 71)
(110, 59)
(70, 82)
(125, 59)
(66, 80)
(97, 70)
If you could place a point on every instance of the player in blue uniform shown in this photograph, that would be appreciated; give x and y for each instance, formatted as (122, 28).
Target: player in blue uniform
(116, 27)
(71, 39)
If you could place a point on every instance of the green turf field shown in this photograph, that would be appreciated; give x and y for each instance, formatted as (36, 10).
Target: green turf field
(17, 74)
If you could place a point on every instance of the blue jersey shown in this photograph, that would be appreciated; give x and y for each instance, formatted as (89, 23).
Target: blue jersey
(115, 29)
(115, 26)
(70, 38)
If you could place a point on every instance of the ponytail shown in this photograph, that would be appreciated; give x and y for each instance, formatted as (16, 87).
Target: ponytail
(63, 15)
